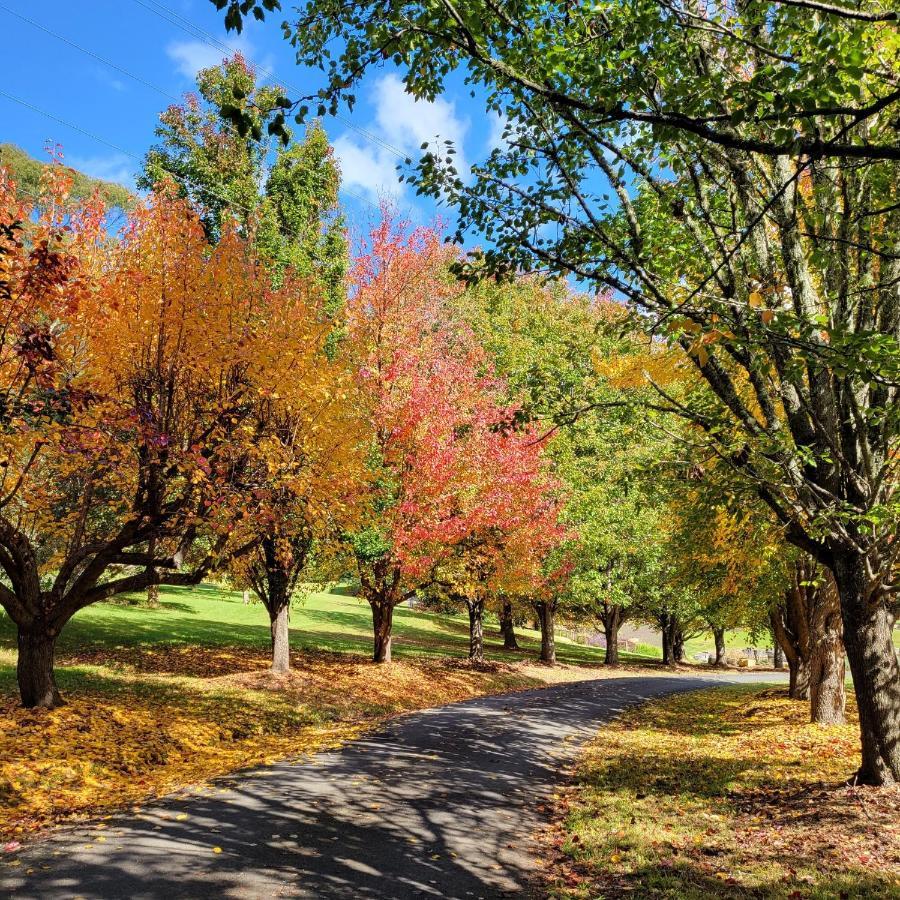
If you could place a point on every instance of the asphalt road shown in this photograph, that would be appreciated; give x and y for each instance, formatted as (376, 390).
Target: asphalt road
(441, 803)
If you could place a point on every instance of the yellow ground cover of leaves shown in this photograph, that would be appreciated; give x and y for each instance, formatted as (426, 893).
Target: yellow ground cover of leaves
(143, 722)
(725, 793)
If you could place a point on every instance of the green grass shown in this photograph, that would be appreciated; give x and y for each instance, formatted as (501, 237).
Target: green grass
(728, 793)
(738, 639)
(213, 617)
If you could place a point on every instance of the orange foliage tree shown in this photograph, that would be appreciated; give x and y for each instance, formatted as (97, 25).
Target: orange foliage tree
(131, 376)
(307, 469)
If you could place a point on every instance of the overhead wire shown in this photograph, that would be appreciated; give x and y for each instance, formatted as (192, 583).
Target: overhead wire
(195, 31)
(140, 80)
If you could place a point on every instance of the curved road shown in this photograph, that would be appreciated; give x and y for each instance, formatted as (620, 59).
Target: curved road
(441, 803)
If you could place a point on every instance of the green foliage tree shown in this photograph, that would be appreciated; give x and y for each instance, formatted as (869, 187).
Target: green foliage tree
(222, 166)
(28, 174)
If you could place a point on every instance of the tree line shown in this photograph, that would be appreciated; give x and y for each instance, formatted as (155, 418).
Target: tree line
(730, 172)
(709, 438)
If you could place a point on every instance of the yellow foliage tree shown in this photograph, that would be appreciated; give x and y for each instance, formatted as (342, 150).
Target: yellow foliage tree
(132, 374)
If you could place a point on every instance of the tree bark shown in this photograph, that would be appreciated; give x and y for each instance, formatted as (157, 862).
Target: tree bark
(798, 678)
(34, 669)
(612, 619)
(281, 643)
(382, 620)
(507, 628)
(827, 696)
(152, 589)
(546, 611)
(719, 638)
(678, 644)
(667, 627)
(476, 629)
(876, 672)
(778, 655)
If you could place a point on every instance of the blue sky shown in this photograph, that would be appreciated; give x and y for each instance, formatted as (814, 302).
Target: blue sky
(155, 42)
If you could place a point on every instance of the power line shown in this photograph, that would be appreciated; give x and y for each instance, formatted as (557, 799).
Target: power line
(96, 137)
(195, 31)
(140, 80)
(91, 53)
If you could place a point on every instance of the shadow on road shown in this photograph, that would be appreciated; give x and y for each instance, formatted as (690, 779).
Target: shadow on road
(442, 803)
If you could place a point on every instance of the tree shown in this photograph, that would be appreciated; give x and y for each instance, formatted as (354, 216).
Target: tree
(306, 468)
(28, 174)
(449, 469)
(285, 193)
(129, 372)
(732, 173)
(794, 101)
(552, 347)
(806, 625)
(285, 199)
(726, 549)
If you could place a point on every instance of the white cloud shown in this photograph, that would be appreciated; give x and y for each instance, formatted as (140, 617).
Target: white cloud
(367, 167)
(495, 136)
(116, 167)
(192, 56)
(405, 124)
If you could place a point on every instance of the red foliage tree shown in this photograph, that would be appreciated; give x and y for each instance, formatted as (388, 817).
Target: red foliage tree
(453, 477)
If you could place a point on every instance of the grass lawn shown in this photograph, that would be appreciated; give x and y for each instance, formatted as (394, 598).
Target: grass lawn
(725, 794)
(159, 699)
(212, 617)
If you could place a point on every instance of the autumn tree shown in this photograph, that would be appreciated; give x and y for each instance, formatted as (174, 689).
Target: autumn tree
(284, 195)
(305, 469)
(514, 527)
(130, 369)
(452, 474)
(731, 173)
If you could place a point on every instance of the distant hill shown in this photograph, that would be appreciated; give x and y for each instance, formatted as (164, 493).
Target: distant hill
(27, 173)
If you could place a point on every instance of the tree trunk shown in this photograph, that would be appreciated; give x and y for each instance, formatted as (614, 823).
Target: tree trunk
(668, 640)
(382, 620)
(677, 645)
(281, 643)
(546, 612)
(34, 670)
(152, 589)
(719, 638)
(827, 696)
(612, 622)
(507, 629)
(778, 655)
(476, 629)
(876, 673)
(798, 678)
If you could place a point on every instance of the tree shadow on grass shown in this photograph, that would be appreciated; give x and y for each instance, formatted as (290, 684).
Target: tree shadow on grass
(687, 879)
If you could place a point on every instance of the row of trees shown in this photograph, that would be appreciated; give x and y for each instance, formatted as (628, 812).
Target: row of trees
(731, 172)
